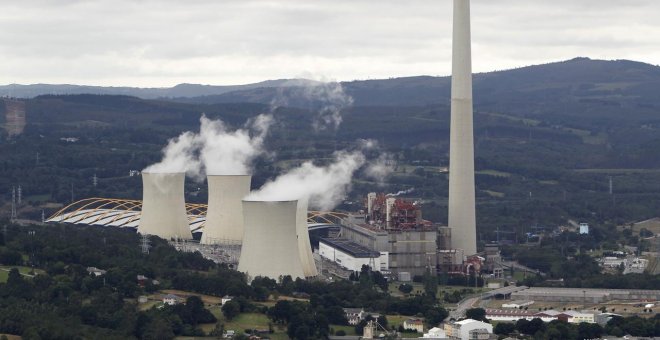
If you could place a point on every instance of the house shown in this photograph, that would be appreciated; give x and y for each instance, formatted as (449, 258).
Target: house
(225, 299)
(95, 271)
(353, 315)
(142, 280)
(414, 324)
(171, 299)
(143, 299)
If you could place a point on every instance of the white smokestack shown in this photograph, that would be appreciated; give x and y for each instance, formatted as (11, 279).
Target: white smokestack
(371, 198)
(389, 205)
(163, 206)
(224, 217)
(270, 242)
(462, 218)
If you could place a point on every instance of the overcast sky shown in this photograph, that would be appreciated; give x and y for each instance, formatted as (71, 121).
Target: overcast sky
(166, 42)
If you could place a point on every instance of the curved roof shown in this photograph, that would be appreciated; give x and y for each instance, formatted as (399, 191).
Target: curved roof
(124, 213)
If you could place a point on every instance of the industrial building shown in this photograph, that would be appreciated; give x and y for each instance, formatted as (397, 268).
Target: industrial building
(163, 206)
(224, 216)
(394, 226)
(585, 295)
(351, 255)
(468, 329)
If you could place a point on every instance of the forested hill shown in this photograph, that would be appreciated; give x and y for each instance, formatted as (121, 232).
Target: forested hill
(580, 77)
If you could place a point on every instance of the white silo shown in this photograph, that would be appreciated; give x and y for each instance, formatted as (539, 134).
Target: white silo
(304, 245)
(270, 240)
(224, 216)
(163, 206)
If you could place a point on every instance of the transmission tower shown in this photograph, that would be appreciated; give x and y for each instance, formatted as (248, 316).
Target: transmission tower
(43, 216)
(95, 180)
(20, 196)
(145, 244)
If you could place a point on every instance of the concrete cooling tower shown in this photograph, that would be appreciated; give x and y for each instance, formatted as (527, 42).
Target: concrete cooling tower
(270, 240)
(163, 206)
(224, 217)
(304, 245)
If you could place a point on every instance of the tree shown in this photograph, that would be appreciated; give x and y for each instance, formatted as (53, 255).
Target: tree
(504, 328)
(231, 309)
(405, 288)
(476, 314)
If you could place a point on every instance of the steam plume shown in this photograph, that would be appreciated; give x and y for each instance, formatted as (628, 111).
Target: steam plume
(323, 186)
(401, 192)
(216, 149)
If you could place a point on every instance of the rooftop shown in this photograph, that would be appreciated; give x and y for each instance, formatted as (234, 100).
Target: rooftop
(350, 247)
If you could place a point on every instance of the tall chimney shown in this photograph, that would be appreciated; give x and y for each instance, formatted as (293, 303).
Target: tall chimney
(462, 219)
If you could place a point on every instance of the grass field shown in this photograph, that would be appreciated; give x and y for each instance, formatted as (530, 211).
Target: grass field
(4, 271)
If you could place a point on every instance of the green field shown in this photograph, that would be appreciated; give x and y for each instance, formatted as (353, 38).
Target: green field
(4, 271)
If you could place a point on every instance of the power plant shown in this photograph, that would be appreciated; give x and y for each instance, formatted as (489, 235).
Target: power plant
(163, 206)
(270, 241)
(388, 233)
(462, 219)
(224, 215)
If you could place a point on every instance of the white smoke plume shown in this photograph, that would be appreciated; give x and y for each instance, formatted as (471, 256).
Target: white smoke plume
(226, 152)
(327, 98)
(216, 149)
(323, 186)
(179, 156)
(332, 99)
(401, 192)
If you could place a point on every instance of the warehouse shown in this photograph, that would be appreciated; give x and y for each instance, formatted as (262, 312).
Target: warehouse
(351, 255)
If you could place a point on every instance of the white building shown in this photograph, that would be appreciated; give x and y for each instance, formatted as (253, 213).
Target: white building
(435, 333)
(171, 299)
(461, 329)
(225, 299)
(352, 256)
(414, 324)
(517, 304)
(584, 229)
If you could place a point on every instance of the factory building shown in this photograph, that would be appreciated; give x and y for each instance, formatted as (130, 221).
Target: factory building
(224, 215)
(351, 255)
(585, 295)
(270, 240)
(163, 206)
(394, 226)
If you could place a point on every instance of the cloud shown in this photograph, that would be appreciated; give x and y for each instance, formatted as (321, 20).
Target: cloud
(161, 43)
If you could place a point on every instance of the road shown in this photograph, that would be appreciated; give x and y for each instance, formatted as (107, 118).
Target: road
(462, 307)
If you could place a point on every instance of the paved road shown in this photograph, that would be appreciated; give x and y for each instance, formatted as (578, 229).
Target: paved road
(462, 307)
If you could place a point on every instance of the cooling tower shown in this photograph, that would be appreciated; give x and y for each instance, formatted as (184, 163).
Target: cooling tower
(224, 217)
(163, 206)
(270, 240)
(462, 219)
(304, 245)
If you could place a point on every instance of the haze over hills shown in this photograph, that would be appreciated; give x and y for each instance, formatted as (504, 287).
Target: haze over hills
(619, 80)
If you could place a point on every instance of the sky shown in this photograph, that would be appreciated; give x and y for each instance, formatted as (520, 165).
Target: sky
(161, 43)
